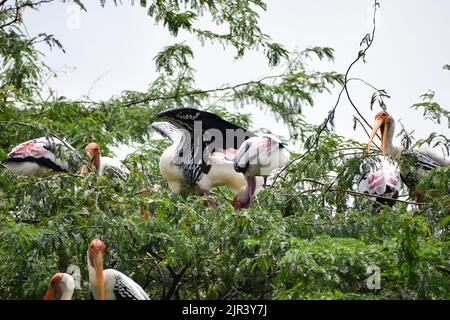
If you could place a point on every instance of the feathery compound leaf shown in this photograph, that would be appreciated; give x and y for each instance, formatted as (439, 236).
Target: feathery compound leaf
(432, 110)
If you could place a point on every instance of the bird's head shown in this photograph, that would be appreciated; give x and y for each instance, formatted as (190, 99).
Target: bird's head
(95, 254)
(60, 283)
(92, 150)
(382, 123)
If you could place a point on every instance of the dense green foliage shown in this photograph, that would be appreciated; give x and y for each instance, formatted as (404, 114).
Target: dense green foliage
(309, 234)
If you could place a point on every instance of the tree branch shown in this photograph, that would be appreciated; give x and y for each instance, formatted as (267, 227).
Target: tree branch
(176, 279)
(355, 193)
(196, 92)
(331, 113)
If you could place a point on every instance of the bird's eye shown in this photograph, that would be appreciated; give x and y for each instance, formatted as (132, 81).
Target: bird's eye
(180, 154)
(92, 246)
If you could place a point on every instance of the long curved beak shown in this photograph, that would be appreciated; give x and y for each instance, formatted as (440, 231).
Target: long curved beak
(50, 294)
(379, 124)
(236, 204)
(98, 266)
(246, 201)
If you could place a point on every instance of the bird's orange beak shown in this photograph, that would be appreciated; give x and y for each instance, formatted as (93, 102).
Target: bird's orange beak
(54, 291)
(51, 293)
(236, 204)
(93, 152)
(383, 126)
(98, 266)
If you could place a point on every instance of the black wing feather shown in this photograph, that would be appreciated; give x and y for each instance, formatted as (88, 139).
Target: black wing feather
(122, 291)
(201, 146)
(184, 118)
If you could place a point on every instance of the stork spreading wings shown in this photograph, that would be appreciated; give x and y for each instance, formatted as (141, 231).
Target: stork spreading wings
(202, 151)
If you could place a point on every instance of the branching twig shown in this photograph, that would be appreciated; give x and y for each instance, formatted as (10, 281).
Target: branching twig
(197, 92)
(176, 279)
(355, 193)
(362, 126)
(158, 267)
(331, 113)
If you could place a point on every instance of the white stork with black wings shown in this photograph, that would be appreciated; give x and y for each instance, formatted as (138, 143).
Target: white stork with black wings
(40, 157)
(202, 152)
(109, 284)
(419, 161)
(380, 177)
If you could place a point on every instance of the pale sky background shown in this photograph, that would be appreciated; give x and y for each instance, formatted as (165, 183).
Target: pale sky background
(112, 49)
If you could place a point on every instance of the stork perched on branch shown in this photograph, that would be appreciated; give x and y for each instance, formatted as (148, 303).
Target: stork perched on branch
(40, 157)
(61, 287)
(103, 164)
(202, 153)
(420, 160)
(109, 284)
(260, 156)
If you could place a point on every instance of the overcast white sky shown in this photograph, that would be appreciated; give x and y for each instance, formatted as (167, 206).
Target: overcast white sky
(111, 49)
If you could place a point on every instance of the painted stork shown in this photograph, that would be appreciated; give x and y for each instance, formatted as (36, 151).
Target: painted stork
(103, 164)
(259, 156)
(202, 153)
(61, 287)
(380, 177)
(419, 160)
(109, 284)
(40, 157)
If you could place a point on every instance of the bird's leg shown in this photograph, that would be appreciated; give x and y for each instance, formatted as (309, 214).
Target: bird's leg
(251, 185)
(142, 192)
(265, 181)
(144, 212)
(209, 202)
(83, 170)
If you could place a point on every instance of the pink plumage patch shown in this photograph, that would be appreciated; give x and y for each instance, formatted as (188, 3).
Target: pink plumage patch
(29, 149)
(264, 146)
(230, 153)
(376, 182)
(379, 175)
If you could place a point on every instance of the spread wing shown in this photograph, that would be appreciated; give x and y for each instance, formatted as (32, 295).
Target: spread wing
(169, 131)
(193, 160)
(202, 134)
(215, 130)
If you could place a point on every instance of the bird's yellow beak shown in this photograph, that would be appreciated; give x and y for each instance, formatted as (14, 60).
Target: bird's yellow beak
(380, 124)
(98, 266)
